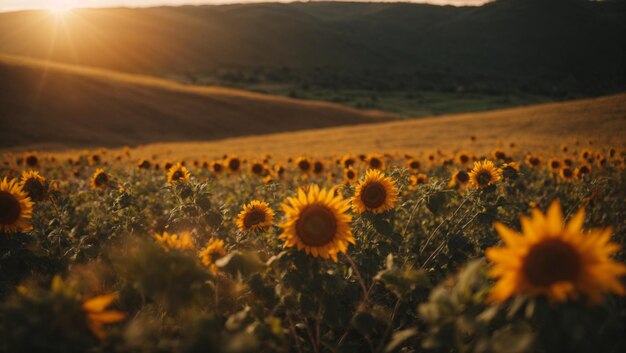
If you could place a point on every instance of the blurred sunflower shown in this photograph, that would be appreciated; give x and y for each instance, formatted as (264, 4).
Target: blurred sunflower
(279, 170)
(304, 165)
(376, 193)
(99, 179)
(459, 179)
(97, 317)
(533, 161)
(375, 161)
(144, 164)
(348, 161)
(414, 165)
(31, 160)
(463, 158)
(216, 167)
(554, 259)
(318, 167)
(256, 216)
(350, 175)
(169, 241)
(167, 165)
(34, 185)
(583, 170)
(555, 165)
(567, 174)
(212, 252)
(257, 168)
(177, 174)
(419, 179)
(498, 154)
(484, 174)
(234, 164)
(16, 208)
(510, 170)
(318, 222)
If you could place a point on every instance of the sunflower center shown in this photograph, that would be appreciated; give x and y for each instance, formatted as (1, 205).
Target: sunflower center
(551, 261)
(375, 163)
(34, 189)
(318, 168)
(217, 168)
(177, 175)
(316, 225)
(234, 164)
(373, 195)
(555, 165)
(567, 173)
(483, 178)
(10, 209)
(415, 165)
(462, 177)
(253, 218)
(350, 174)
(464, 159)
(101, 179)
(304, 165)
(257, 169)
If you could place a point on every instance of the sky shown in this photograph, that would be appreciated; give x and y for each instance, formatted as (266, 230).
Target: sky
(14, 5)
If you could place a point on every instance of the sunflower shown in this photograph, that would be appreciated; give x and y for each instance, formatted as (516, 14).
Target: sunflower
(533, 161)
(212, 252)
(347, 161)
(34, 185)
(303, 164)
(555, 165)
(318, 167)
(554, 259)
(350, 175)
(257, 168)
(583, 170)
(97, 317)
(144, 164)
(234, 164)
(216, 167)
(567, 174)
(376, 193)
(375, 161)
(510, 170)
(178, 174)
(463, 158)
(484, 174)
(459, 179)
(498, 155)
(419, 179)
(279, 170)
(255, 216)
(99, 179)
(317, 221)
(175, 241)
(414, 165)
(585, 154)
(15, 208)
(167, 165)
(31, 160)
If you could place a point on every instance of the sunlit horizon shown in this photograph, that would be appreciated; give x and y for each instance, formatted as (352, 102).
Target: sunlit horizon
(63, 6)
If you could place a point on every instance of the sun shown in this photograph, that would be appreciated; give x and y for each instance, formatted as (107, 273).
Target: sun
(60, 8)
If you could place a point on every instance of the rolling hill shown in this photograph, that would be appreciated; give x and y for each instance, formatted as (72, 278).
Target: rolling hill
(536, 128)
(552, 47)
(45, 105)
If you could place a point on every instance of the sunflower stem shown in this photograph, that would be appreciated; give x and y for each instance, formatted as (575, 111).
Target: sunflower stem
(358, 277)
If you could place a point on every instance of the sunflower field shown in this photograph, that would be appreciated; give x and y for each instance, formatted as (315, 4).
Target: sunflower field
(450, 251)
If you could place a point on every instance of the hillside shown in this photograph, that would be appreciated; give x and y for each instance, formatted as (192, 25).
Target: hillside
(52, 105)
(540, 127)
(557, 48)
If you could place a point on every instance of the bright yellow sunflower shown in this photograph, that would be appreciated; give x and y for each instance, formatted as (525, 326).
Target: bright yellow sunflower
(553, 259)
(212, 252)
(99, 179)
(98, 316)
(484, 174)
(169, 241)
(376, 193)
(256, 216)
(177, 174)
(34, 185)
(16, 208)
(318, 222)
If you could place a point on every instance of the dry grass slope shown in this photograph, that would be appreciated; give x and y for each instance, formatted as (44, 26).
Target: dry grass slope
(535, 127)
(46, 105)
